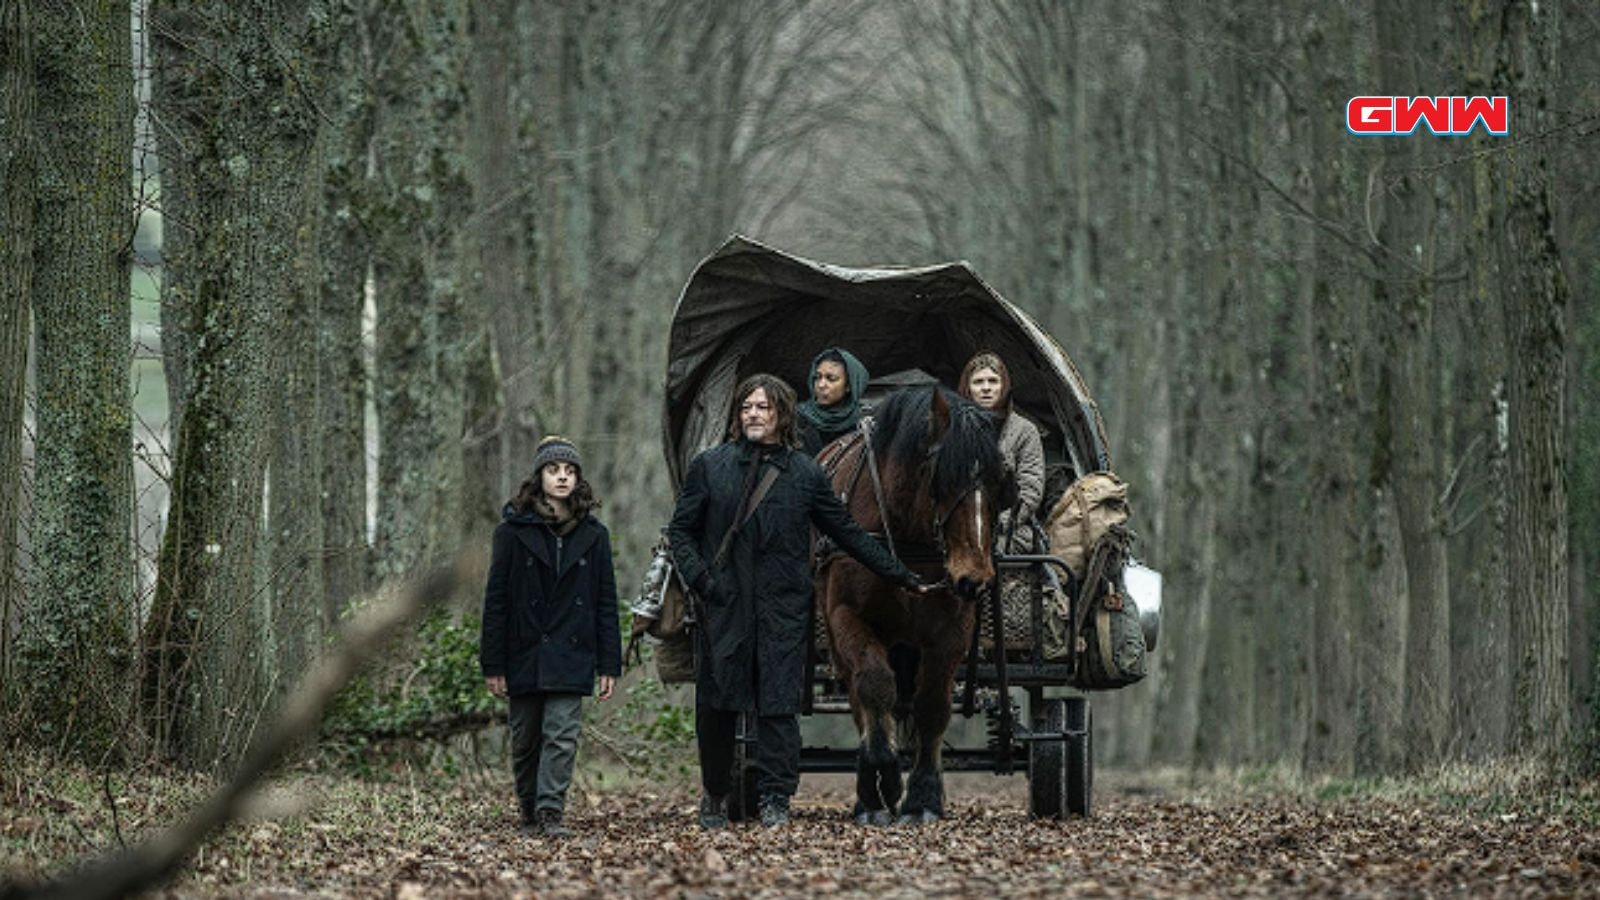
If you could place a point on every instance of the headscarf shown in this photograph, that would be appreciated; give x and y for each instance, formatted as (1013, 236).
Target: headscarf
(843, 415)
(988, 360)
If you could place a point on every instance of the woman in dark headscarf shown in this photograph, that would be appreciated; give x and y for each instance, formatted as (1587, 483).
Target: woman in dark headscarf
(838, 380)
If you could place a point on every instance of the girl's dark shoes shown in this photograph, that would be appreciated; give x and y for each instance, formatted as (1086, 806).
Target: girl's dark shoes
(545, 823)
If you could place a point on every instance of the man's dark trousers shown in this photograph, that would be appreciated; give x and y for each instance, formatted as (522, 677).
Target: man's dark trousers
(777, 753)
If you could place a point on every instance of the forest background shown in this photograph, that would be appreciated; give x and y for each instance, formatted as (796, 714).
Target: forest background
(289, 291)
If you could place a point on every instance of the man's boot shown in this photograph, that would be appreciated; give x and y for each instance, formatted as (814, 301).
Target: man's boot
(774, 810)
(713, 811)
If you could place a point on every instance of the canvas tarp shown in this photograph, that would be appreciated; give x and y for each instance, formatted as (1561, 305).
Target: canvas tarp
(750, 308)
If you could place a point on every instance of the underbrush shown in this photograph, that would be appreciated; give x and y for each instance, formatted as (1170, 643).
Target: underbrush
(1506, 787)
(328, 805)
(412, 752)
(426, 704)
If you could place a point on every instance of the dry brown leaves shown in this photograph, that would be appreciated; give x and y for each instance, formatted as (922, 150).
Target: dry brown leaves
(642, 844)
(344, 837)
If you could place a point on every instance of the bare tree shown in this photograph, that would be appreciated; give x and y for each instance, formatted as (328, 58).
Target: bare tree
(1403, 299)
(77, 638)
(344, 230)
(16, 286)
(239, 132)
(420, 203)
(1534, 300)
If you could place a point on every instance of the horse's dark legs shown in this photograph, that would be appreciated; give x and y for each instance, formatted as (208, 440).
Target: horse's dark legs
(877, 774)
(864, 664)
(931, 716)
(925, 787)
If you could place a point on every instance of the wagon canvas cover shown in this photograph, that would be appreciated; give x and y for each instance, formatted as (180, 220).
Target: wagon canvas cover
(750, 308)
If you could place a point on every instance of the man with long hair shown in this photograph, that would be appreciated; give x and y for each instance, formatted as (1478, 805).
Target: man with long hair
(741, 538)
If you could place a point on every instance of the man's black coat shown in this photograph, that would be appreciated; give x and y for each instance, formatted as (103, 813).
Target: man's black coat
(756, 607)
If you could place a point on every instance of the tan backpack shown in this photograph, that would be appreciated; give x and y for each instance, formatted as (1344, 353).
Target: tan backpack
(1089, 530)
(1086, 511)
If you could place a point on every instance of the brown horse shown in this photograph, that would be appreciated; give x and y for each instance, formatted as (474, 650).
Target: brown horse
(934, 496)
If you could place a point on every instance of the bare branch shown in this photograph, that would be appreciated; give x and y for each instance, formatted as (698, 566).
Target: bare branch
(159, 857)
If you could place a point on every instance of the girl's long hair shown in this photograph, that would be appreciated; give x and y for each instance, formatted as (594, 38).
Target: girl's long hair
(581, 501)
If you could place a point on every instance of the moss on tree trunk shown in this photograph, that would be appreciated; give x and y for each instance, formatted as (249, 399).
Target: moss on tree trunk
(76, 642)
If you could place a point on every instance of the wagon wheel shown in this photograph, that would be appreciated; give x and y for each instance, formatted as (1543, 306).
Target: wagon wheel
(1080, 755)
(1061, 770)
(1047, 763)
(744, 805)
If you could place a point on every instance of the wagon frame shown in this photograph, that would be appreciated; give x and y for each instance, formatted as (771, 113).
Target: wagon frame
(748, 307)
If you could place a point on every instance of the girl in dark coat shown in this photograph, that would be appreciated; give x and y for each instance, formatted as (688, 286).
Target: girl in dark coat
(549, 626)
(838, 380)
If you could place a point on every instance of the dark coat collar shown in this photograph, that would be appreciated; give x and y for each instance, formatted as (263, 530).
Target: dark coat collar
(779, 455)
(577, 543)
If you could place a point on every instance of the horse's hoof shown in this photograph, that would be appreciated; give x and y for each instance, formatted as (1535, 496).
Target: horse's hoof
(919, 818)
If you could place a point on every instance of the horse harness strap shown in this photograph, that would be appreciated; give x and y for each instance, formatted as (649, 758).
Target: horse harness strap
(744, 514)
(877, 484)
(832, 462)
(867, 461)
(1104, 563)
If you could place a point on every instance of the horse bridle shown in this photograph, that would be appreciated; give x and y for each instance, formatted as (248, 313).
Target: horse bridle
(868, 460)
(940, 520)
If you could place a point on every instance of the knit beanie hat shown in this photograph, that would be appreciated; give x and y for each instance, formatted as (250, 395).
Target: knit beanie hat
(556, 449)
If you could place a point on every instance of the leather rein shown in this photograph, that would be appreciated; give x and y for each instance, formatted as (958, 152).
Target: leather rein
(866, 462)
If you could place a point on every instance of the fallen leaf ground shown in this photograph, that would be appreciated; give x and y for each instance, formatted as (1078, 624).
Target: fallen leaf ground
(324, 835)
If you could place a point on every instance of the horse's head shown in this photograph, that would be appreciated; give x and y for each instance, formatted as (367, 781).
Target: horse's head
(951, 446)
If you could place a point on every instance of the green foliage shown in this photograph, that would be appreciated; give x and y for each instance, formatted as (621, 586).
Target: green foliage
(439, 682)
(651, 716)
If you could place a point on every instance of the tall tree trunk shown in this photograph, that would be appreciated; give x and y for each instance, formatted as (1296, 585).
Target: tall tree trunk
(16, 290)
(77, 646)
(1534, 301)
(1480, 612)
(507, 296)
(249, 128)
(295, 482)
(1404, 302)
(420, 363)
(1279, 479)
(1189, 552)
(345, 262)
(1380, 656)
(1334, 404)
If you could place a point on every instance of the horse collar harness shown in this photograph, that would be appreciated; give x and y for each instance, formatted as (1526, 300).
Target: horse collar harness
(867, 461)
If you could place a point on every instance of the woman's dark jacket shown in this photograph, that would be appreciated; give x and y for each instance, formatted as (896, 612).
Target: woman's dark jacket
(756, 607)
(813, 439)
(550, 607)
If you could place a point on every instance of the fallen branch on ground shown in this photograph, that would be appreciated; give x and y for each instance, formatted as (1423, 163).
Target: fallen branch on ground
(155, 859)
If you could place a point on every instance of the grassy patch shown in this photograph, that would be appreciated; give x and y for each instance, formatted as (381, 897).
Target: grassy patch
(1498, 788)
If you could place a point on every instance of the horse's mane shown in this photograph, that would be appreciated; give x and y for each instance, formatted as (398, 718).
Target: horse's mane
(970, 448)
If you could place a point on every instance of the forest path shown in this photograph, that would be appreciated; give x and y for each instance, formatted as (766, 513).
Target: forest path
(1142, 841)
